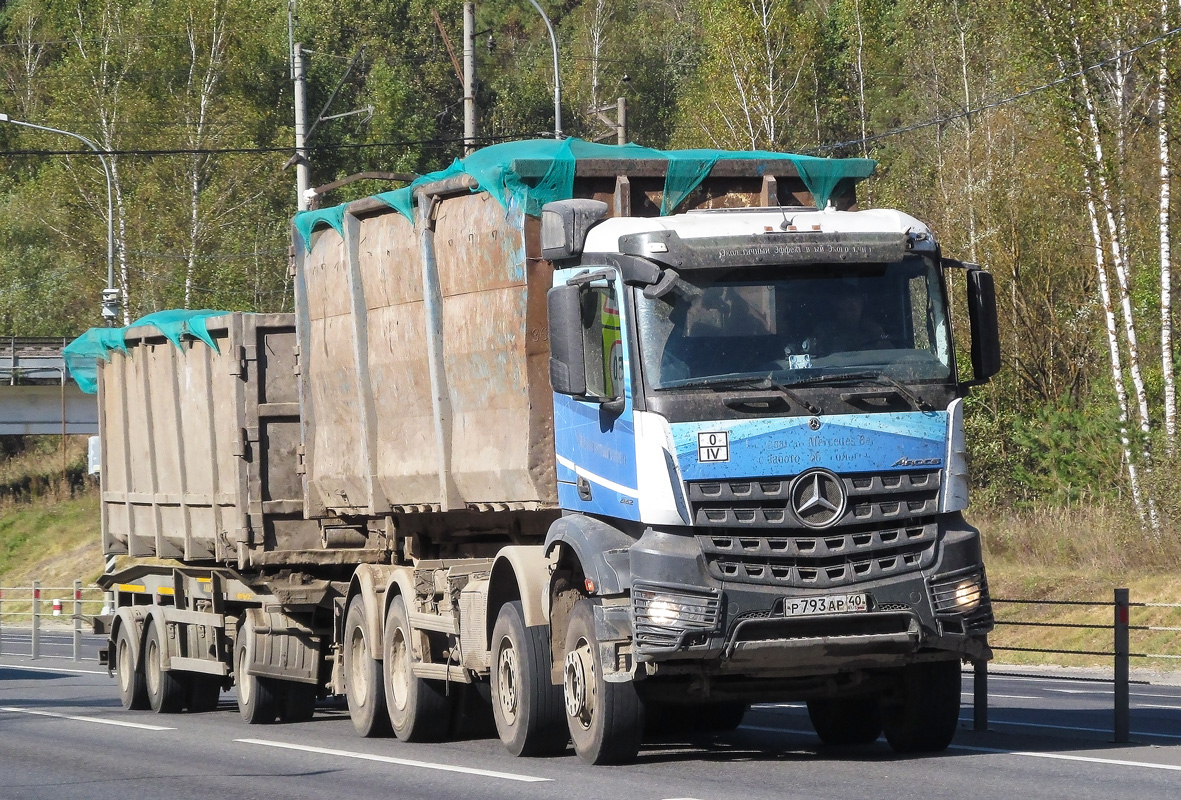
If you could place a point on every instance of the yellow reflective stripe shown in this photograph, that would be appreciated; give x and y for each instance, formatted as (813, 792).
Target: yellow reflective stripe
(245, 596)
(165, 590)
(131, 587)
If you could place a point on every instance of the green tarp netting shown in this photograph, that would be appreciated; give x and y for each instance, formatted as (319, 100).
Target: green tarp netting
(82, 354)
(532, 173)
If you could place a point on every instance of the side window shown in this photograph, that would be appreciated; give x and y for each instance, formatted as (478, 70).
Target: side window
(602, 342)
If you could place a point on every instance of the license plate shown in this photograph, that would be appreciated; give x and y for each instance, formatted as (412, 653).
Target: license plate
(824, 604)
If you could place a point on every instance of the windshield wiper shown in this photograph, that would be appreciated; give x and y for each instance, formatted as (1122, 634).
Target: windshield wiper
(877, 377)
(723, 382)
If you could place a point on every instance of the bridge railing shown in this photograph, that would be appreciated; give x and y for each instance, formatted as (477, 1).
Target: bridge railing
(50, 608)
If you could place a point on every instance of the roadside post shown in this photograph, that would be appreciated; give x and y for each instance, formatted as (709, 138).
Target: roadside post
(980, 695)
(1122, 659)
(36, 649)
(77, 616)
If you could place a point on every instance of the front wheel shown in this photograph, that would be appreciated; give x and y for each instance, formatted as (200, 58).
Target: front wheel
(606, 719)
(133, 690)
(527, 707)
(841, 721)
(923, 715)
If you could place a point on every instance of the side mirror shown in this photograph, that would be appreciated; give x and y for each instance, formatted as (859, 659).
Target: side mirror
(986, 339)
(567, 357)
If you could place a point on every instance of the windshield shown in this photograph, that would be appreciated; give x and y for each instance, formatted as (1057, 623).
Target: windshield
(797, 325)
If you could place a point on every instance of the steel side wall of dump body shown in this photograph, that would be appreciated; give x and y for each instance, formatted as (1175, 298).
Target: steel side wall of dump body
(372, 428)
(199, 445)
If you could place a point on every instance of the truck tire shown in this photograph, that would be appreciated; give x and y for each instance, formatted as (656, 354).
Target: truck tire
(298, 701)
(527, 707)
(843, 721)
(204, 693)
(167, 690)
(923, 715)
(606, 719)
(133, 691)
(364, 685)
(420, 710)
(257, 698)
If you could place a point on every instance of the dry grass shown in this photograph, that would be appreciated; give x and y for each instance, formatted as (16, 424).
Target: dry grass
(1080, 554)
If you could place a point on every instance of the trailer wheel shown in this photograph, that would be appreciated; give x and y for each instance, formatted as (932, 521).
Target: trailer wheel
(923, 716)
(257, 700)
(527, 707)
(420, 710)
(841, 721)
(299, 702)
(167, 690)
(364, 687)
(606, 719)
(204, 693)
(133, 690)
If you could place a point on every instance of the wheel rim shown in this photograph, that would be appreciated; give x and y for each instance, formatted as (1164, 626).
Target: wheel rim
(124, 665)
(152, 666)
(399, 668)
(243, 678)
(578, 691)
(507, 681)
(358, 675)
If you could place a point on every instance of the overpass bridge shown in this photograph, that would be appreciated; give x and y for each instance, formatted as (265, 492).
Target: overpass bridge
(37, 395)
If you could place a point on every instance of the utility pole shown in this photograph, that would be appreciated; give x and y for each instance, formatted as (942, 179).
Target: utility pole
(469, 77)
(302, 176)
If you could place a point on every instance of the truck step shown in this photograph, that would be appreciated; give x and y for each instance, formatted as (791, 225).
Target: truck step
(440, 672)
(202, 665)
(434, 622)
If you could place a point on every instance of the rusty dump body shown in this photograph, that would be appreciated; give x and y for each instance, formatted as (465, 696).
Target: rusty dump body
(202, 444)
(424, 353)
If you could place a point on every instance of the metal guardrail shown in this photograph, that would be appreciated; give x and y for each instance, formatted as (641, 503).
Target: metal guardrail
(28, 603)
(1120, 653)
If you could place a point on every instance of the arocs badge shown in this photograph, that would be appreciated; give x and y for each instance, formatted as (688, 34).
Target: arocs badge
(713, 446)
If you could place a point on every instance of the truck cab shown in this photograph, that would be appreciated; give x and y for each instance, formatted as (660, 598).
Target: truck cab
(760, 445)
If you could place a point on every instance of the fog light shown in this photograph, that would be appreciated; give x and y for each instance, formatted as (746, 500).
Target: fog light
(967, 594)
(663, 612)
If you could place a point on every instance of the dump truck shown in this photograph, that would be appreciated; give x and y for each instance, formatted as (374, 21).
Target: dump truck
(620, 440)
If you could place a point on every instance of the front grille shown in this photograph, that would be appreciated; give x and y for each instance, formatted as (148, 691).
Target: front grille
(762, 503)
(819, 561)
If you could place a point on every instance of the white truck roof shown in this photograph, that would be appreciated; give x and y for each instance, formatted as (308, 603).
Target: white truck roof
(604, 237)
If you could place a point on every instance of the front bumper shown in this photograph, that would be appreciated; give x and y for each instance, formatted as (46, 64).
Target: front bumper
(684, 618)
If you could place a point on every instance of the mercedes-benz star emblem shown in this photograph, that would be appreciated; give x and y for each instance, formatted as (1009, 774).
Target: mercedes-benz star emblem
(814, 424)
(818, 498)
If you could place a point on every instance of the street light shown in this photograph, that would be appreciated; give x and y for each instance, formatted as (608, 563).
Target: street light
(557, 81)
(110, 301)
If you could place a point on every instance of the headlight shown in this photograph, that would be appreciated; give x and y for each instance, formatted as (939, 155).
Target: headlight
(663, 611)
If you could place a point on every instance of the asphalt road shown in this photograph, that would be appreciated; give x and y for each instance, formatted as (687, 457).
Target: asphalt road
(63, 734)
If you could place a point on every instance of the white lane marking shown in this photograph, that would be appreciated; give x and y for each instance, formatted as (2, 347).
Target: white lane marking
(1072, 728)
(1153, 705)
(95, 720)
(1007, 696)
(1062, 757)
(405, 762)
(776, 730)
(54, 669)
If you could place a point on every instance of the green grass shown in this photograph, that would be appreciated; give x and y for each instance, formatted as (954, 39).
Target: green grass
(54, 541)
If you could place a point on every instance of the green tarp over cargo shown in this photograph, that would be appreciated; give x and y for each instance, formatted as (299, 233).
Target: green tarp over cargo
(83, 353)
(497, 170)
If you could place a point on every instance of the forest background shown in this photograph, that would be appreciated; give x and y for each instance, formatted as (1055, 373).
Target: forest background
(1037, 138)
